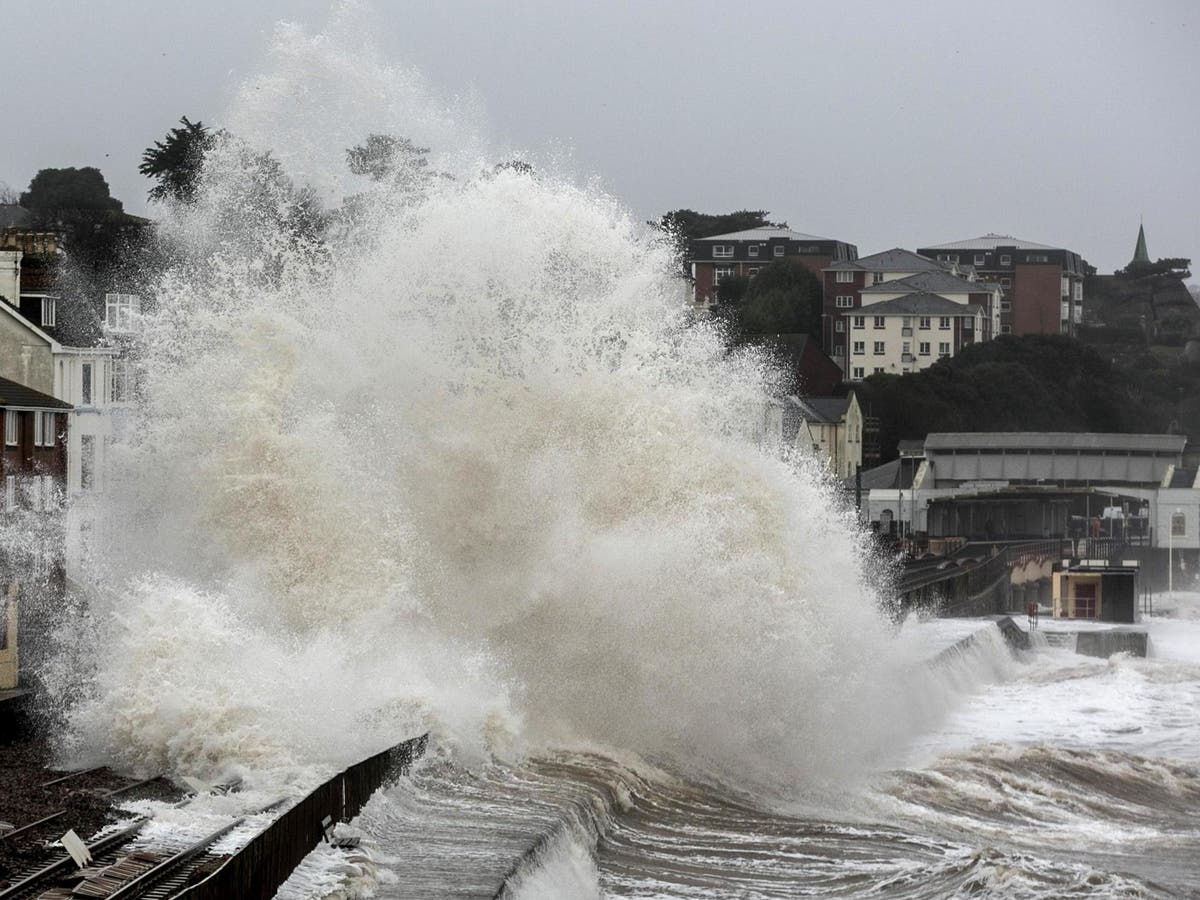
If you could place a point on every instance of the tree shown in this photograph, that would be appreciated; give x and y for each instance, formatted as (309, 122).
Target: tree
(175, 162)
(394, 162)
(783, 298)
(732, 288)
(1172, 267)
(70, 189)
(686, 225)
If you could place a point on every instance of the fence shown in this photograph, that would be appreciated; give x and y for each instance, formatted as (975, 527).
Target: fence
(257, 870)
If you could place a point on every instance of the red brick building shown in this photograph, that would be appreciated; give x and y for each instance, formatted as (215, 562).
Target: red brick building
(1042, 286)
(33, 480)
(744, 253)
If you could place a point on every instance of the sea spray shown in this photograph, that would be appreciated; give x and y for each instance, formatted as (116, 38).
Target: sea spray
(463, 461)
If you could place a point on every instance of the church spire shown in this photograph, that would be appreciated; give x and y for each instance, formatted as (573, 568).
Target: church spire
(1140, 253)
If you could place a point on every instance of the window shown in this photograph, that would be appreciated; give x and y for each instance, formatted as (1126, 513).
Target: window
(1005, 282)
(860, 347)
(879, 278)
(944, 323)
(943, 348)
(1077, 291)
(722, 251)
(980, 259)
(43, 430)
(120, 310)
(48, 310)
(1006, 329)
(968, 324)
(907, 348)
(879, 348)
(860, 321)
(923, 323)
(837, 351)
(11, 427)
(779, 250)
(1005, 260)
(719, 272)
(1178, 525)
(86, 393)
(880, 322)
(859, 373)
(923, 348)
(1036, 258)
(845, 277)
(87, 461)
(878, 370)
(948, 257)
(844, 301)
(906, 322)
(840, 326)
(754, 270)
(754, 248)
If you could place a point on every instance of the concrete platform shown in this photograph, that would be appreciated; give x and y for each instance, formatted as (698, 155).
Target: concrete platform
(1099, 639)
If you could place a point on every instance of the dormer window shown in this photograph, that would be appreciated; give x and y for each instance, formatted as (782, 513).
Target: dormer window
(980, 259)
(120, 310)
(1006, 260)
(844, 276)
(779, 250)
(722, 251)
(754, 248)
(48, 311)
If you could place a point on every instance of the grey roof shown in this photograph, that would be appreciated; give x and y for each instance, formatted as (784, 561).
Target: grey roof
(920, 303)
(763, 233)
(890, 475)
(1054, 440)
(935, 281)
(12, 216)
(13, 393)
(1183, 478)
(826, 410)
(895, 260)
(991, 241)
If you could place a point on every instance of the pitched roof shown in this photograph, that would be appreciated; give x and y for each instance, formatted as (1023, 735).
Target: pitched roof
(13, 393)
(991, 241)
(826, 410)
(935, 281)
(890, 475)
(918, 303)
(895, 260)
(12, 216)
(764, 233)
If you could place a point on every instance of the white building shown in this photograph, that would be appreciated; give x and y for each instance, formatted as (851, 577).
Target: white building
(909, 332)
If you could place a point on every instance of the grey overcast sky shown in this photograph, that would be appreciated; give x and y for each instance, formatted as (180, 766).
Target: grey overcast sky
(880, 123)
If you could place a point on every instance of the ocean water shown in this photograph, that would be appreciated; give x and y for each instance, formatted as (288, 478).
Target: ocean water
(458, 459)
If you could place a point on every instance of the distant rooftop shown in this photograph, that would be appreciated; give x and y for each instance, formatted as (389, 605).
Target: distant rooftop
(13, 216)
(935, 281)
(825, 410)
(1054, 440)
(764, 233)
(894, 260)
(991, 242)
(918, 303)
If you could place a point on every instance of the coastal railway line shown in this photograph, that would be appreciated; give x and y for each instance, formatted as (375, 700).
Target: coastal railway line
(120, 872)
(67, 793)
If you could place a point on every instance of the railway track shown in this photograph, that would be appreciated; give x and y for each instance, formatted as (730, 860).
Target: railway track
(116, 870)
(119, 872)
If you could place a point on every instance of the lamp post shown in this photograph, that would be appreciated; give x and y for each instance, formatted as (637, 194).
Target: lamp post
(1171, 553)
